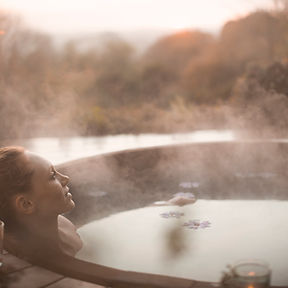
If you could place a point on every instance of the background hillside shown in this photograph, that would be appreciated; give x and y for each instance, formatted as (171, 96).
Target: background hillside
(183, 81)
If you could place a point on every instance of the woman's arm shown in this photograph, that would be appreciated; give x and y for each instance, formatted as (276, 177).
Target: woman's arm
(106, 276)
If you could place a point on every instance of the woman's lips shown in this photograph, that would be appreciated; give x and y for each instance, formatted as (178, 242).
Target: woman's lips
(68, 194)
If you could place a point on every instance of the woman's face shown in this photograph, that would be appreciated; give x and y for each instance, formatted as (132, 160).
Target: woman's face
(50, 193)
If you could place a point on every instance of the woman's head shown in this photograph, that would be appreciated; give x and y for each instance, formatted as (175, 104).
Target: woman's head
(15, 177)
(30, 186)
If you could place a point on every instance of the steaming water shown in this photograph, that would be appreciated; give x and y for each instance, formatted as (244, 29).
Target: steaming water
(59, 150)
(142, 240)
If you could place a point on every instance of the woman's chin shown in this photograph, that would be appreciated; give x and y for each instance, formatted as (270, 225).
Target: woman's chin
(72, 204)
(69, 206)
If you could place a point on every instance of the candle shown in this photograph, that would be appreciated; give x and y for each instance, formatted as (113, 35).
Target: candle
(251, 274)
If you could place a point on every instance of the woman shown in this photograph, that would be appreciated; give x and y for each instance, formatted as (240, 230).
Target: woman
(33, 195)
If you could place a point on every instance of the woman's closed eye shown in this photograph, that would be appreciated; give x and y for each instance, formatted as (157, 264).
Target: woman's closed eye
(53, 175)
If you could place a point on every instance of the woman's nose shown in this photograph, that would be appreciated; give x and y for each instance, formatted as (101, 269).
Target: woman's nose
(64, 179)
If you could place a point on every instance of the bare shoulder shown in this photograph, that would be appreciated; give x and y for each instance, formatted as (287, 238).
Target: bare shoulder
(65, 223)
(70, 241)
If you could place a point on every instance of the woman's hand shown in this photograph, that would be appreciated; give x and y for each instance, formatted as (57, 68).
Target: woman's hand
(178, 200)
(181, 200)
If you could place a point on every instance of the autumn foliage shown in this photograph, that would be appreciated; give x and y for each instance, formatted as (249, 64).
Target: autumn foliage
(188, 80)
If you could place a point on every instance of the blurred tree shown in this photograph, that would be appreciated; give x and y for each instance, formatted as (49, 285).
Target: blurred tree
(260, 99)
(261, 38)
(208, 80)
(281, 5)
(164, 62)
(177, 49)
(157, 83)
(253, 38)
(273, 78)
(116, 80)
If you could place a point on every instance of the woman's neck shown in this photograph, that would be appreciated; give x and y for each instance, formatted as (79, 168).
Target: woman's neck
(35, 235)
(46, 228)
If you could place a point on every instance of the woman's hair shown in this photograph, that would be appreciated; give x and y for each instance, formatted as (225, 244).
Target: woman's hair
(15, 177)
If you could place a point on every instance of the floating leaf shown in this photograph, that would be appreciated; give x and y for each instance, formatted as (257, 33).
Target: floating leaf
(196, 224)
(172, 214)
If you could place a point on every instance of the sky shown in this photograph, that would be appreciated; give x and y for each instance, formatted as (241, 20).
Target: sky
(86, 16)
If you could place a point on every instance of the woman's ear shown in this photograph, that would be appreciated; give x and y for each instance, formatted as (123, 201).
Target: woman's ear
(24, 205)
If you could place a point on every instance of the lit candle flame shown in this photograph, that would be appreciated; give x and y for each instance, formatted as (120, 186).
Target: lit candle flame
(251, 286)
(251, 274)
(2, 32)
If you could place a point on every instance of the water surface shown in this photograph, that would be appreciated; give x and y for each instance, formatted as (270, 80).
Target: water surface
(59, 150)
(143, 240)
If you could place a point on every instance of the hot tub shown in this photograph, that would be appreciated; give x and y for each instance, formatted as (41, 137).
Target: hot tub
(241, 190)
(196, 244)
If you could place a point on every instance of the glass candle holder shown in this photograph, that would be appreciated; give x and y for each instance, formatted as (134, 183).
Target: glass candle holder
(1, 242)
(250, 274)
